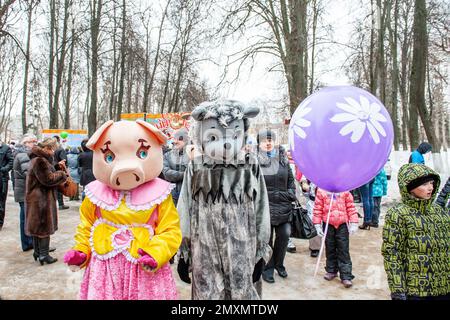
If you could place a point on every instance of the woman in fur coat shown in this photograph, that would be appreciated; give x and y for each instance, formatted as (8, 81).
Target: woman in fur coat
(42, 180)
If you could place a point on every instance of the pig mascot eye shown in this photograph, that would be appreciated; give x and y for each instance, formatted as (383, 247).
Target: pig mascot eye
(142, 153)
(109, 156)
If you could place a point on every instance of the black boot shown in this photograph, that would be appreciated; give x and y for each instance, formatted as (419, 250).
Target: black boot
(365, 226)
(44, 257)
(36, 248)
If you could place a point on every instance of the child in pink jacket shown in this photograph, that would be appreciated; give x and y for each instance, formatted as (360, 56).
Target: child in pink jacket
(343, 221)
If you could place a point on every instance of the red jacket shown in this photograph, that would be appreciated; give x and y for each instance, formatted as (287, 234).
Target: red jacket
(342, 211)
(298, 174)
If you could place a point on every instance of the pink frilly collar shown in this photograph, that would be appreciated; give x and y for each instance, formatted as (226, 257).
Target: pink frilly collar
(143, 197)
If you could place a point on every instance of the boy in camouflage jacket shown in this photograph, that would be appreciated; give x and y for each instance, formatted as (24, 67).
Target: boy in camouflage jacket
(416, 238)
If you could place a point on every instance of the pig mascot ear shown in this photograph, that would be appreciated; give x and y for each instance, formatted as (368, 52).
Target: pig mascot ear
(98, 134)
(161, 137)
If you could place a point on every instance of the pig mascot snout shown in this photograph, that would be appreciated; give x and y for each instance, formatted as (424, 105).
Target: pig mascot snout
(129, 226)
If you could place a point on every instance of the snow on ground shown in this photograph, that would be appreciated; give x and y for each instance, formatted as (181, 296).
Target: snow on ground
(23, 278)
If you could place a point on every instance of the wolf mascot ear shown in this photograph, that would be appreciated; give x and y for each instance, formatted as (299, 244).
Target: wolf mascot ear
(251, 112)
(199, 113)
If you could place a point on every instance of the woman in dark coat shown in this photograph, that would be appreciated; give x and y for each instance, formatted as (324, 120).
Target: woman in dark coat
(85, 166)
(20, 168)
(281, 191)
(41, 184)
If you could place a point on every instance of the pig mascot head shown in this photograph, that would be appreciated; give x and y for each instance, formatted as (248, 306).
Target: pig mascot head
(127, 153)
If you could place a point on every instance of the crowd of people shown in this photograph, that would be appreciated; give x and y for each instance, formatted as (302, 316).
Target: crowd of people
(285, 184)
(36, 170)
(416, 231)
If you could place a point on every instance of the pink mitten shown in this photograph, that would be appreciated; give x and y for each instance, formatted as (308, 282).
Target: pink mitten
(146, 261)
(74, 258)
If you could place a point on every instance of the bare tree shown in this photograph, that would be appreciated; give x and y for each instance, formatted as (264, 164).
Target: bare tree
(53, 114)
(123, 56)
(4, 8)
(393, 43)
(418, 69)
(96, 11)
(405, 42)
(31, 5)
(148, 83)
(9, 67)
(69, 77)
(60, 65)
(285, 21)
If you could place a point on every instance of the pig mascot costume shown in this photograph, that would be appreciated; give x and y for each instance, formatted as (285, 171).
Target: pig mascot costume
(129, 226)
(223, 207)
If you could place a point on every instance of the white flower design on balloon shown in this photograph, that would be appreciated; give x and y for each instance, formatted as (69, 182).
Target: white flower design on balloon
(360, 115)
(298, 123)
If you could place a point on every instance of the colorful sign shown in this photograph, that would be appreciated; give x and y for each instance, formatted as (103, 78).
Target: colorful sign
(166, 122)
(72, 138)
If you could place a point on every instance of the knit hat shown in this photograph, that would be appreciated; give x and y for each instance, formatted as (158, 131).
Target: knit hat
(265, 134)
(420, 181)
(424, 147)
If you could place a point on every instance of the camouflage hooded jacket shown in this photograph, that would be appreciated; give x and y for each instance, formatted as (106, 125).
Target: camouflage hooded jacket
(416, 240)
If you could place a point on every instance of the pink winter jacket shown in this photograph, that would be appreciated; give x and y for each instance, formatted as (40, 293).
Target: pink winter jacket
(342, 211)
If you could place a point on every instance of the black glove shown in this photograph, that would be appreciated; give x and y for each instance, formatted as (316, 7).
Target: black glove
(398, 296)
(183, 270)
(259, 267)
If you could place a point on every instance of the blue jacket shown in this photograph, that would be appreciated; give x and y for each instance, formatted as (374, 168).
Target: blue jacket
(380, 184)
(72, 164)
(417, 157)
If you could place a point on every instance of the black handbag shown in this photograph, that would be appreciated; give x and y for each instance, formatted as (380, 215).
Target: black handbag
(301, 225)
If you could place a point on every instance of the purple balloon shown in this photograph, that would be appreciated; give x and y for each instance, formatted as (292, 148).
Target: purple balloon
(340, 137)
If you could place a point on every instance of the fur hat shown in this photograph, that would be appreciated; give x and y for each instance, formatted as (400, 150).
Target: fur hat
(265, 134)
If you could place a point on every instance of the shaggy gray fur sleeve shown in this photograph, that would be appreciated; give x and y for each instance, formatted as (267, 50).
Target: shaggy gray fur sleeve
(184, 211)
(262, 210)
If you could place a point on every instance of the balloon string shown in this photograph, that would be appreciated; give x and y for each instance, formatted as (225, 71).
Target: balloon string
(324, 236)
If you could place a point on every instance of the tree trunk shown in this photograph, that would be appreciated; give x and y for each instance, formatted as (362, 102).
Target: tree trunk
(148, 90)
(89, 82)
(381, 62)
(69, 80)
(372, 63)
(146, 67)
(313, 49)
(169, 67)
(418, 73)
(175, 101)
(27, 66)
(393, 41)
(122, 63)
(129, 82)
(61, 60)
(53, 124)
(96, 9)
(297, 48)
(112, 101)
(409, 132)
